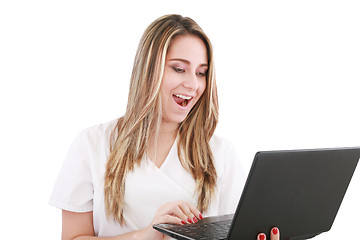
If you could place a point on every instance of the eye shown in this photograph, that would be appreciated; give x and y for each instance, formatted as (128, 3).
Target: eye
(201, 74)
(179, 70)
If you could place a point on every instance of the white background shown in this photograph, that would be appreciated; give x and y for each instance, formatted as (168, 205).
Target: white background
(287, 74)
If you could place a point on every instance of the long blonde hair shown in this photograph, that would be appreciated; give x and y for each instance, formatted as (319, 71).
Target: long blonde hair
(143, 114)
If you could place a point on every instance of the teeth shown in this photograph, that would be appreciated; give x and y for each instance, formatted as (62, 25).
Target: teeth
(183, 97)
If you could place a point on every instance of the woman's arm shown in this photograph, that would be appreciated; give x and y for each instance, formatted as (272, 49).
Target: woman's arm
(79, 226)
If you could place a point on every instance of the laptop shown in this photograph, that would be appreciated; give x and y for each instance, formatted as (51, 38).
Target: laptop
(298, 191)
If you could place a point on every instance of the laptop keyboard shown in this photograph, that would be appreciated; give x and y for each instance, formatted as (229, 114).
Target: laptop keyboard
(208, 231)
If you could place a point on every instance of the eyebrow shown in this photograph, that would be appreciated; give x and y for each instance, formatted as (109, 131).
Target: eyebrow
(187, 62)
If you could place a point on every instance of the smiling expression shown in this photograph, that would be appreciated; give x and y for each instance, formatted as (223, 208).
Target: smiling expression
(184, 79)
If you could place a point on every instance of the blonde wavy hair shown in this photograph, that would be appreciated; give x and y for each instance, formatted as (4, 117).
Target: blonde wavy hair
(143, 117)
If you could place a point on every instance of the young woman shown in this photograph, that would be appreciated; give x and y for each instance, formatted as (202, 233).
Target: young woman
(160, 162)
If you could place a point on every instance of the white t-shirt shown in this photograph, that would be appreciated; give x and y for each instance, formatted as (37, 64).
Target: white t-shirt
(80, 184)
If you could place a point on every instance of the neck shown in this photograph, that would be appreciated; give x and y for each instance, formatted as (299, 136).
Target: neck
(167, 130)
(166, 134)
(160, 145)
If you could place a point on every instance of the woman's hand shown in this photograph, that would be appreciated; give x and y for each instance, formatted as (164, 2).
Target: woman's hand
(179, 212)
(274, 235)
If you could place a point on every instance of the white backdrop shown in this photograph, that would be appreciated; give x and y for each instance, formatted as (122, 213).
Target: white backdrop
(287, 74)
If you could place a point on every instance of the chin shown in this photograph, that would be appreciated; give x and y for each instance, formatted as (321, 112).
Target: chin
(174, 119)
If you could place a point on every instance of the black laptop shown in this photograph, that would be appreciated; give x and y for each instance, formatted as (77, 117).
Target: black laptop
(298, 191)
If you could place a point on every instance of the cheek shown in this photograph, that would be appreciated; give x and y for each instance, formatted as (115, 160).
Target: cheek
(167, 83)
(165, 87)
(202, 86)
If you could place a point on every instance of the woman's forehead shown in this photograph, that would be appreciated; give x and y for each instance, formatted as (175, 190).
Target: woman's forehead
(189, 48)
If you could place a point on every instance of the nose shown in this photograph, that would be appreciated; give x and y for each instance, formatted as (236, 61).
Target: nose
(191, 82)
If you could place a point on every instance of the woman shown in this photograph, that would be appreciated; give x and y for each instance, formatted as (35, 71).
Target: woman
(160, 160)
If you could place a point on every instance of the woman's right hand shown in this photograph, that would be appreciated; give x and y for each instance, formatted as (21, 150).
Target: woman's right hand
(179, 212)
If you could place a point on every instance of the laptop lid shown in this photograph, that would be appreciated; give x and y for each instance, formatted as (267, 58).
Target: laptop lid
(298, 191)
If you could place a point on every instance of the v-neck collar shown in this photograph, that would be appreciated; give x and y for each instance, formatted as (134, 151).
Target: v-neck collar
(169, 157)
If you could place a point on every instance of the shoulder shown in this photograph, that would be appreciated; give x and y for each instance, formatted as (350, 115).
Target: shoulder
(230, 173)
(93, 141)
(221, 145)
(99, 132)
(100, 129)
(225, 154)
(90, 148)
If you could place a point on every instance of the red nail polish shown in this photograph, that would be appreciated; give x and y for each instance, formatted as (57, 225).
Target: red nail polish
(195, 220)
(275, 230)
(189, 220)
(200, 216)
(262, 236)
(183, 222)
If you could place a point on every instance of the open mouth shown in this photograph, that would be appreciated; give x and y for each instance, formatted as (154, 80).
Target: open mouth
(181, 99)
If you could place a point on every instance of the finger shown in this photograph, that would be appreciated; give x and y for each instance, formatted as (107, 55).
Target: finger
(179, 212)
(195, 211)
(261, 236)
(173, 209)
(275, 234)
(190, 211)
(186, 210)
(168, 219)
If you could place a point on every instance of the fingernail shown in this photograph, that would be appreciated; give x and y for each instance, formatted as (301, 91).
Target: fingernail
(200, 216)
(183, 222)
(262, 236)
(275, 230)
(189, 220)
(195, 220)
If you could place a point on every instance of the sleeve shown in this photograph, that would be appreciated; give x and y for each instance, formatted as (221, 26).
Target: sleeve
(231, 182)
(73, 189)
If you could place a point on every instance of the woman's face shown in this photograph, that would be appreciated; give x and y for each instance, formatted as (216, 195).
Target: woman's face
(184, 78)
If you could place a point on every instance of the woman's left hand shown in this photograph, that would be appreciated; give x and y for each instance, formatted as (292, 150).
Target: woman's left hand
(274, 235)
